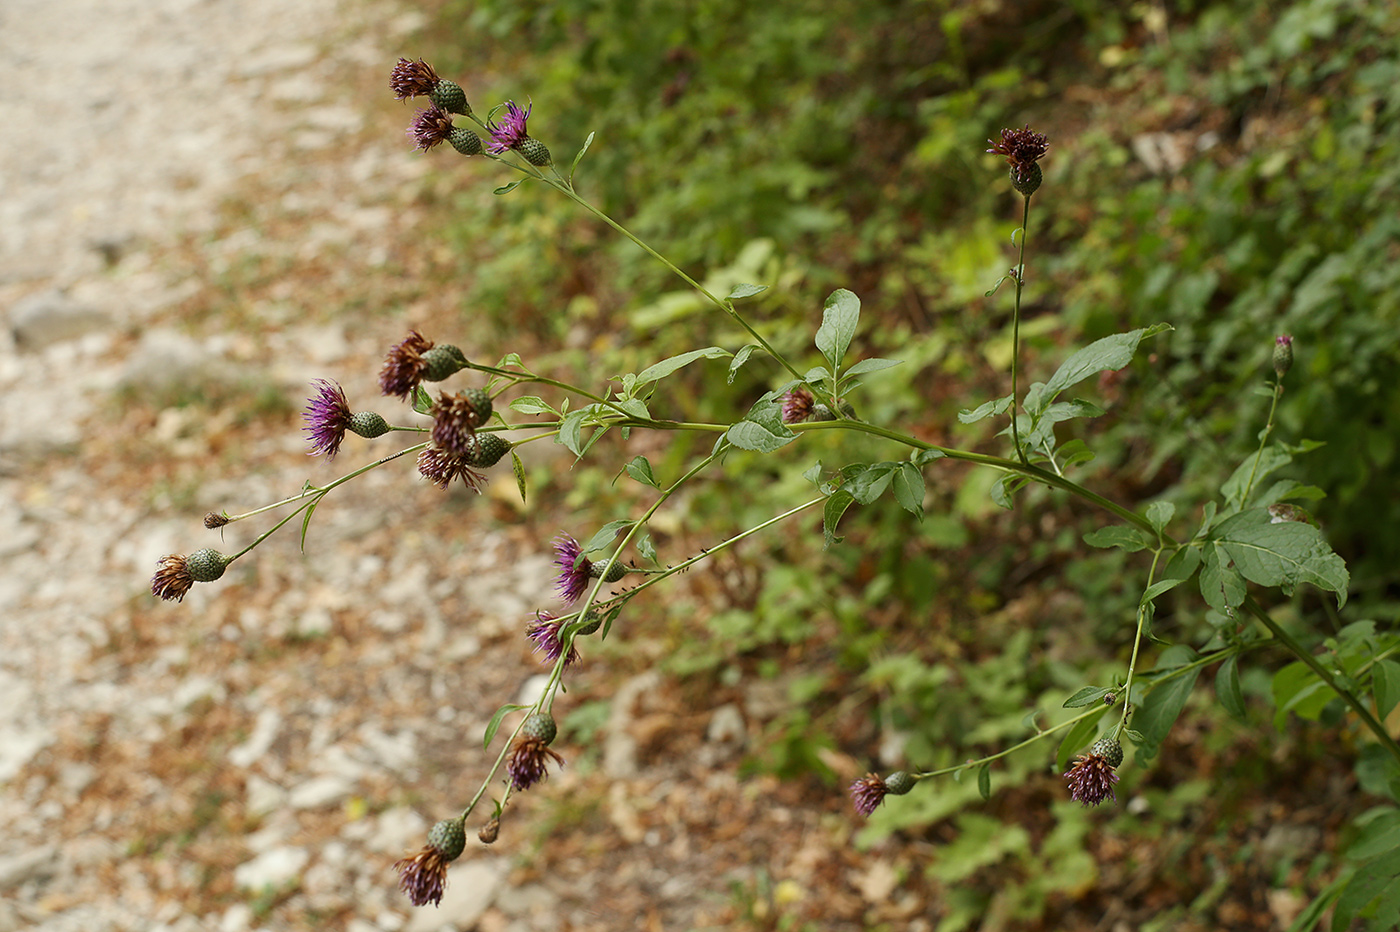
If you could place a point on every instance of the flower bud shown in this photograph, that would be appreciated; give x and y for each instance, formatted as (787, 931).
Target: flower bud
(534, 151)
(1026, 179)
(487, 451)
(615, 572)
(1283, 354)
(1109, 749)
(207, 565)
(449, 96)
(368, 424)
(465, 141)
(540, 726)
(441, 361)
(448, 838)
(899, 783)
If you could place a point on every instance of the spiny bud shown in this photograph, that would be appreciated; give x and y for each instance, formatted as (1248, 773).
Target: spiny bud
(207, 565)
(464, 141)
(368, 424)
(899, 783)
(540, 726)
(615, 572)
(487, 451)
(450, 97)
(591, 623)
(441, 361)
(1283, 354)
(481, 405)
(448, 838)
(1026, 179)
(534, 151)
(1109, 749)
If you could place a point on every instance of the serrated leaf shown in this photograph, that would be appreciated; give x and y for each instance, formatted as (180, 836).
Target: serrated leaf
(1086, 696)
(532, 404)
(984, 780)
(507, 188)
(909, 489)
(985, 409)
(873, 364)
(835, 507)
(740, 358)
(605, 536)
(495, 723)
(1116, 535)
(640, 469)
(746, 291)
(1385, 683)
(839, 320)
(1285, 555)
(579, 157)
(1159, 515)
(1077, 738)
(665, 367)
(519, 468)
(1227, 688)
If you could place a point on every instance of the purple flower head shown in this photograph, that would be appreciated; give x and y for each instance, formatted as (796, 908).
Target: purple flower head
(404, 365)
(423, 876)
(455, 419)
(545, 631)
(529, 762)
(441, 467)
(1022, 148)
(574, 568)
(327, 417)
(509, 132)
(798, 406)
(868, 792)
(431, 127)
(412, 79)
(1091, 779)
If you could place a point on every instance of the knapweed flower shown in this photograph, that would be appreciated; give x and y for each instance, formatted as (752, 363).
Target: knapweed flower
(545, 631)
(430, 127)
(1283, 354)
(574, 568)
(1092, 777)
(530, 757)
(216, 519)
(509, 131)
(440, 467)
(412, 79)
(404, 365)
(177, 573)
(798, 406)
(456, 418)
(327, 418)
(870, 790)
(1023, 148)
(423, 875)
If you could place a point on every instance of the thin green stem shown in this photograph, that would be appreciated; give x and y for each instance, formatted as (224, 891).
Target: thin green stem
(1263, 439)
(1016, 334)
(1137, 645)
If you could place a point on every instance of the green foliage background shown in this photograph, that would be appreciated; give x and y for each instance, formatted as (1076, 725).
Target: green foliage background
(1231, 168)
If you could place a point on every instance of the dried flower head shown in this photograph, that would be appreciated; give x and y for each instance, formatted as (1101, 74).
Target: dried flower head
(172, 580)
(509, 131)
(1022, 148)
(574, 568)
(455, 419)
(798, 406)
(412, 79)
(529, 761)
(868, 792)
(1092, 777)
(327, 417)
(404, 365)
(423, 875)
(490, 832)
(216, 519)
(440, 467)
(545, 631)
(430, 127)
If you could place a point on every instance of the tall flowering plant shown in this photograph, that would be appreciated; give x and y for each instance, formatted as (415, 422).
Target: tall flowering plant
(1252, 533)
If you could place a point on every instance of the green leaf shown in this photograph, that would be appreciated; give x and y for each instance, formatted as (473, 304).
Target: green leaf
(761, 430)
(839, 320)
(1073, 452)
(1221, 584)
(1111, 352)
(1299, 690)
(507, 188)
(532, 404)
(1077, 738)
(867, 482)
(306, 520)
(1310, 917)
(1006, 486)
(1086, 696)
(1284, 555)
(571, 431)
(1381, 834)
(667, 366)
(495, 723)
(1183, 564)
(519, 468)
(984, 780)
(1227, 688)
(746, 291)
(924, 457)
(1159, 515)
(909, 489)
(1157, 588)
(647, 548)
(422, 401)
(985, 409)
(1116, 535)
(640, 469)
(579, 158)
(1158, 711)
(1385, 683)
(873, 364)
(1269, 459)
(1373, 880)
(605, 536)
(740, 358)
(1378, 773)
(835, 507)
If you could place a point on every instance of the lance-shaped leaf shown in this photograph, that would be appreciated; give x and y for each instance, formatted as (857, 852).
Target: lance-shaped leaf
(839, 320)
(1112, 352)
